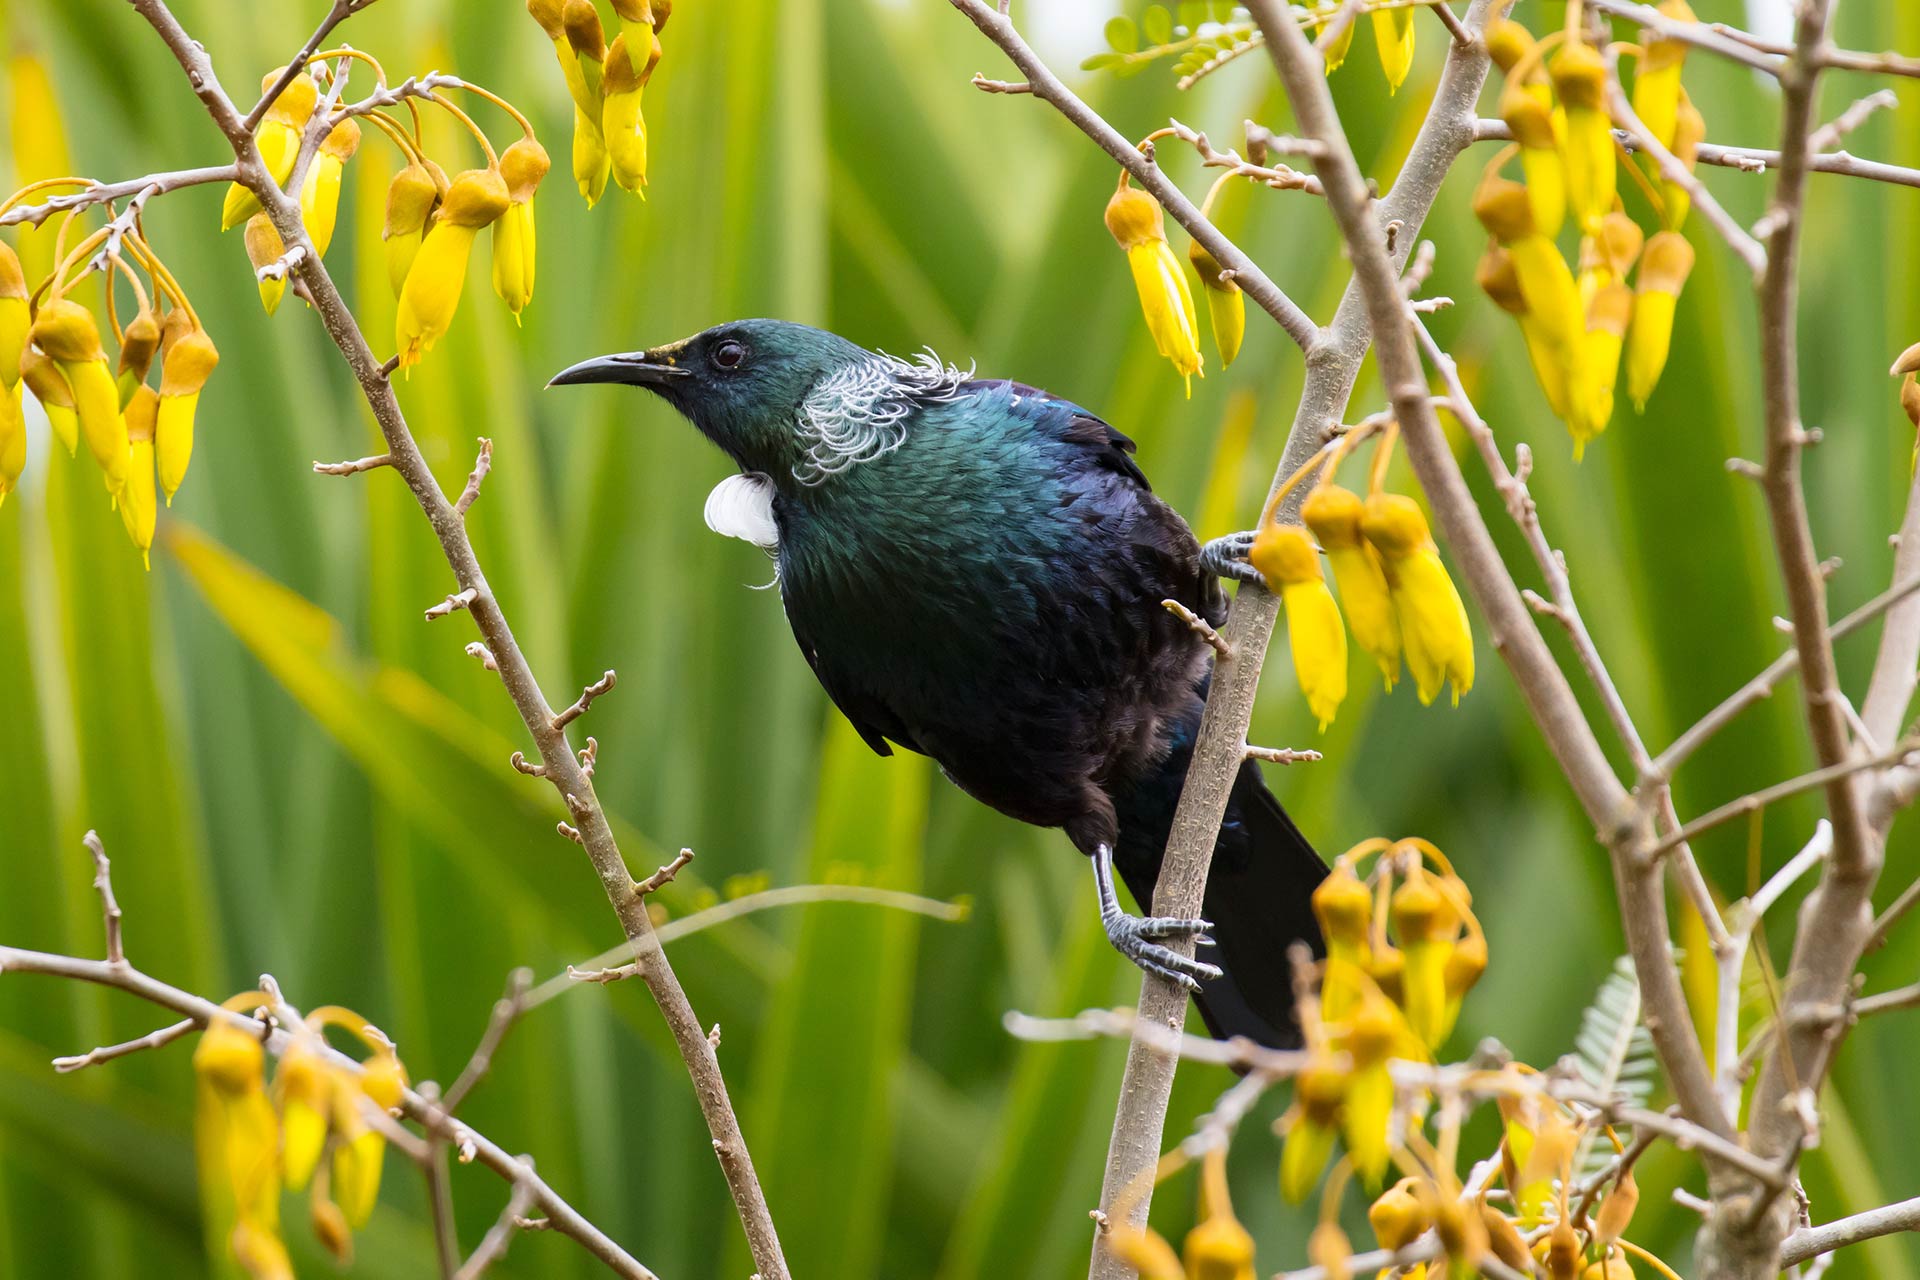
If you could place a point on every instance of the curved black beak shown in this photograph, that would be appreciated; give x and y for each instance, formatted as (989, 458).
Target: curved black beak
(632, 368)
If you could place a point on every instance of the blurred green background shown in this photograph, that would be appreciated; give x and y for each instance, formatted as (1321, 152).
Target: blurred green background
(295, 774)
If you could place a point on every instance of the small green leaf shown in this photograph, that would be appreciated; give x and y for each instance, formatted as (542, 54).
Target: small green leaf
(1157, 23)
(1191, 14)
(1100, 61)
(1127, 70)
(1122, 35)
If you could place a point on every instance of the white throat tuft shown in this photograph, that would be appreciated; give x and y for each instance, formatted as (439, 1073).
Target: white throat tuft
(741, 507)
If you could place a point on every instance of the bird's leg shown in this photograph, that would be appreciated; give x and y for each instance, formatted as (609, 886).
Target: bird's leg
(1133, 936)
(1227, 558)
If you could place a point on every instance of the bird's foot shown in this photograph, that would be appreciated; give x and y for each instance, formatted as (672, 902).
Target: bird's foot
(1227, 558)
(1134, 937)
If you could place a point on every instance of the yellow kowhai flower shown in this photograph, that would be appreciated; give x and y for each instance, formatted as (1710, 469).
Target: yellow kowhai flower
(1312, 1124)
(1689, 131)
(587, 40)
(1333, 513)
(621, 120)
(1527, 112)
(1612, 1267)
(139, 342)
(1374, 1032)
(522, 165)
(359, 1148)
(1344, 908)
(439, 272)
(66, 332)
(278, 138)
(1616, 1211)
(1393, 34)
(1433, 621)
(410, 198)
(138, 511)
(637, 22)
(1608, 254)
(15, 317)
(551, 15)
(55, 394)
(303, 1089)
(1135, 220)
(1664, 268)
(1284, 555)
(1544, 280)
(186, 362)
(265, 247)
(1334, 52)
(320, 189)
(1226, 305)
(1579, 78)
(237, 1138)
(1656, 79)
(1426, 929)
(1508, 43)
(1501, 282)
(13, 440)
(1592, 401)
(1504, 1239)
(1218, 1247)
(1560, 1251)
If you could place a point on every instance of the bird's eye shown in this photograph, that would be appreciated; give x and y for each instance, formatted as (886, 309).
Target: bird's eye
(728, 355)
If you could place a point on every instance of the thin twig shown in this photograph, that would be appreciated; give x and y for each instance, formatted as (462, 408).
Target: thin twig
(585, 701)
(112, 192)
(354, 467)
(109, 905)
(1810, 1242)
(493, 1246)
(1200, 627)
(506, 1011)
(452, 604)
(664, 875)
(1754, 801)
(107, 1053)
(481, 466)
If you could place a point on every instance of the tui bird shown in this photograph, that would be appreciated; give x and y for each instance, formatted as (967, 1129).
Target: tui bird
(974, 569)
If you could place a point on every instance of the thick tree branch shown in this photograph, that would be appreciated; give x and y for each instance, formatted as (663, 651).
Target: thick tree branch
(563, 768)
(1811, 1242)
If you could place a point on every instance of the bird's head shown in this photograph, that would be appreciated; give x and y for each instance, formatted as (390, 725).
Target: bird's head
(743, 384)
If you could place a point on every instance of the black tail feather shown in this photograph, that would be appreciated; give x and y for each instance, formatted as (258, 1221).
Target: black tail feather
(1258, 897)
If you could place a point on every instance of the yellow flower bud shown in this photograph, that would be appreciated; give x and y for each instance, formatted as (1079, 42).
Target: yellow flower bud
(1656, 80)
(139, 341)
(1664, 268)
(1218, 1247)
(331, 1229)
(55, 394)
(13, 440)
(1334, 52)
(1135, 220)
(410, 198)
(1422, 923)
(1317, 1094)
(1334, 513)
(1344, 907)
(636, 21)
(621, 121)
(303, 1088)
(320, 189)
(14, 318)
(1285, 557)
(66, 332)
(591, 162)
(1608, 254)
(1612, 1267)
(1616, 1211)
(1532, 122)
(1508, 42)
(1433, 622)
(184, 370)
(1393, 33)
(1401, 1215)
(138, 510)
(264, 246)
(1545, 283)
(1373, 1032)
(1501, 281)
(278, 138)
(1226, 305)
(588, 40)
(1579, 77)
(1504, 1239)
(1591, 406)
(236, 1132)
(1689, 131)
(522, 165)
(438, 275)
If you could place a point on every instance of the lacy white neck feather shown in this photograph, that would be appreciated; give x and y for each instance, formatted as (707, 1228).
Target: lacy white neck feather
(858, 413)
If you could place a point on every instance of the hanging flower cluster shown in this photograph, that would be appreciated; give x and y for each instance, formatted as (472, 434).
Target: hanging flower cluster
(1403, 949)
(314, 1128)
(52, 346)
(1577, 327)
(432, 220)
(1400, 603)
(606, 81)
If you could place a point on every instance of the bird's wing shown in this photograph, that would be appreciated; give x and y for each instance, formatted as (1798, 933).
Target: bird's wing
(870, 718)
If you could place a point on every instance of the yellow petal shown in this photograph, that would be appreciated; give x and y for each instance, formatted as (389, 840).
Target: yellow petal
(513, 257)
(432, 291)
(97, 404)
(591, 163)
(1167, 304)
(1393, 33)
(13, 440)
(320, 199)
(1319, 645)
